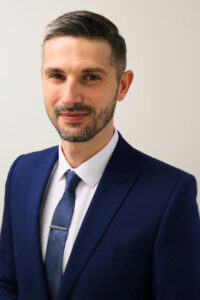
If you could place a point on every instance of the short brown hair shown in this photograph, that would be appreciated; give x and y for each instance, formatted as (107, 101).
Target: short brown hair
(92, 26)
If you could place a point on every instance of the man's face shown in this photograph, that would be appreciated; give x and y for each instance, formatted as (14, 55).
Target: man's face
(80, 86)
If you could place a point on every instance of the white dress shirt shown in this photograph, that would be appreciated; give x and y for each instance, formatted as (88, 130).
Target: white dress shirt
(90, 173)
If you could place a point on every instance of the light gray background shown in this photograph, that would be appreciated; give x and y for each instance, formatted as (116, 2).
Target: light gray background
(160, 115)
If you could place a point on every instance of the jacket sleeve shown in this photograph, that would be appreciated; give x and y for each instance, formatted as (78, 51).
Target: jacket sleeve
(176, 257)
(8, 280)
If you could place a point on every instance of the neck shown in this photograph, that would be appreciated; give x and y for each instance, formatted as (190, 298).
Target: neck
(78, 153)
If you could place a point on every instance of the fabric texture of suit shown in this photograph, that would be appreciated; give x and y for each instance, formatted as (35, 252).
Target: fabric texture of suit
(140, 238)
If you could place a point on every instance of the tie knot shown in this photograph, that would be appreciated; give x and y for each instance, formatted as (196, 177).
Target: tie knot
(72, 181)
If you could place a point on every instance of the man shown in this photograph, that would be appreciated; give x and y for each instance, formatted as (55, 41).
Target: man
(127, 225)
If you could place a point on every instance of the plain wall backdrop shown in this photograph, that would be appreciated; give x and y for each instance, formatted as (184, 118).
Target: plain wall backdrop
(160, 115)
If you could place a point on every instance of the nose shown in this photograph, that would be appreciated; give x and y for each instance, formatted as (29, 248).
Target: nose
(71, 93)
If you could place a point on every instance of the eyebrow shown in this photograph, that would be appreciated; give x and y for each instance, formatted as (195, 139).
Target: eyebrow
(93, 70)
(53, 70)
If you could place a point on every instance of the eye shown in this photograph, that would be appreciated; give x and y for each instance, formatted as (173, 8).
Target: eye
(91, 77)
(57, 76)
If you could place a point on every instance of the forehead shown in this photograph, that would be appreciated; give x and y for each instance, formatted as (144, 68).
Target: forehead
(77, 50)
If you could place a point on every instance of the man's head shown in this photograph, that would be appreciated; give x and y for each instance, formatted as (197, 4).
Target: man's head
(91, 26)
(83, 75)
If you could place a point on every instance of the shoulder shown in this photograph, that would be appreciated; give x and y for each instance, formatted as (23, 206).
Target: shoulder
(148, 166)
(28, 162)
(157, 182)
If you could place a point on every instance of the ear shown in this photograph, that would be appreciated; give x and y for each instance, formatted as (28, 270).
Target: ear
(124, 84)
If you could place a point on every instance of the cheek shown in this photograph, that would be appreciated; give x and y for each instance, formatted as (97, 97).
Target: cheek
(51, 94)
(99, 96)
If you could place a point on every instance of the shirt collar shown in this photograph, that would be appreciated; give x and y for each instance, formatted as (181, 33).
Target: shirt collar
(91, 170)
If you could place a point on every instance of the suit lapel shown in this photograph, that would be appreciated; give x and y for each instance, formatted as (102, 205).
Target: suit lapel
(116, 182)
(39, 181)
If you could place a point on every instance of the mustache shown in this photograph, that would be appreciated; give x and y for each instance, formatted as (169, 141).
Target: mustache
(77, 107)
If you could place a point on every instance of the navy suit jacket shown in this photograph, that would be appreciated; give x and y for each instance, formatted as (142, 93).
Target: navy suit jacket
(140, 238)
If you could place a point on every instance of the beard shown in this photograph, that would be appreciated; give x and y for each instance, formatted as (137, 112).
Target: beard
(97, 123)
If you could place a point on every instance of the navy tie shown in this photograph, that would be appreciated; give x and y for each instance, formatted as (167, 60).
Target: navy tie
(58, 233)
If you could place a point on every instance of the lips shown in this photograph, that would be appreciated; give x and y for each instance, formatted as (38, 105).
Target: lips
(74, 117)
